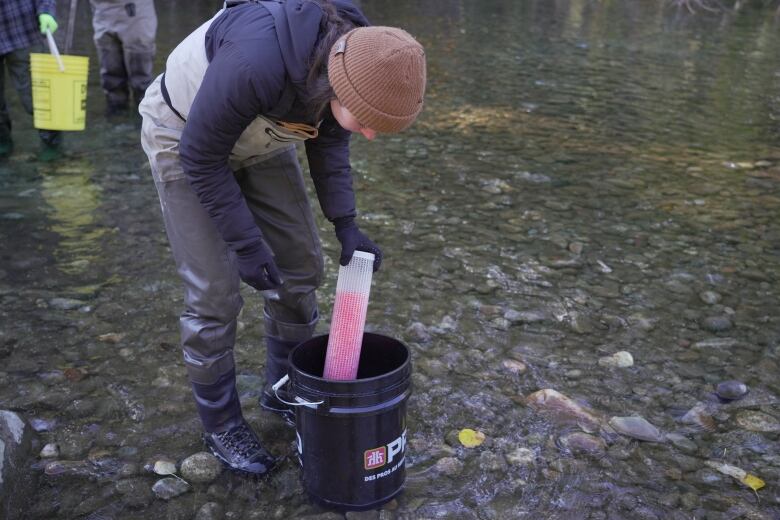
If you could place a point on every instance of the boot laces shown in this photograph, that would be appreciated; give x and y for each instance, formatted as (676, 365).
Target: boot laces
(240, 440)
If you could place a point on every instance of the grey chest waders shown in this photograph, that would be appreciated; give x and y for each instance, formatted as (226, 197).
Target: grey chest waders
(351, 434)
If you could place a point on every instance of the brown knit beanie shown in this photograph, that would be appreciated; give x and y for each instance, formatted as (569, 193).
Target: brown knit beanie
(378, 74)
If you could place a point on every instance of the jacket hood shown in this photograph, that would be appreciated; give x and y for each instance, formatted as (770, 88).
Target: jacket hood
(297, 25)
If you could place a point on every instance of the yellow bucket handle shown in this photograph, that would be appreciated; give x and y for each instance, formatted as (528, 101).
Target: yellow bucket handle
(54, 51)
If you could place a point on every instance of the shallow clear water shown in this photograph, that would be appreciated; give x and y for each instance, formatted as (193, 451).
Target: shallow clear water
(587, 178)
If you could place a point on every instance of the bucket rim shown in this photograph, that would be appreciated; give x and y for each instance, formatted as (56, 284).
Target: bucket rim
(403, 366)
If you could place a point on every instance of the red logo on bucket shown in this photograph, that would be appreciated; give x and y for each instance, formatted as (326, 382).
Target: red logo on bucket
(375, 458)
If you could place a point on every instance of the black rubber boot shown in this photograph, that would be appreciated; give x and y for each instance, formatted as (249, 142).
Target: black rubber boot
(218, 404)
(239, 449)
(276, 364)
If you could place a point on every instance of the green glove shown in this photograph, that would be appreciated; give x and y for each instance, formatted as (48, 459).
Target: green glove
(47, 22)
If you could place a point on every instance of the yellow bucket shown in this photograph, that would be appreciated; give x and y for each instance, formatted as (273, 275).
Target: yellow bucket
(59, 97)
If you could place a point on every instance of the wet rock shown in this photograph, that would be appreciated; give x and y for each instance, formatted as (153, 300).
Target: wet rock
(520, 317)
(159, 461)
(16, 479)
(689, 500)
(111, 337)
(449, 466)
(135, 492)
(287, 483)
(40, 424)
(128, 453)
(74, 446)
(687, 463)
(700, 416)
(636, 427)
(716, 343)
(707, 477)
(682, 442)
(65, 304)
(521, 457)
(490, 461)
(362, 515)
(164, 467)
(731, 390)
(514, 366)
(201, 467)
(620, 451)
(170, 487)
(71, 469)
(673, 473)
(620, 359)
(50, 451)
(578, 442)
(580, 323)
(80, 408)
(710, 297)
(563, 409)
(717, 324)
(755, 275)
(74, 375)
(128, 469)
(642, 322)
(418, 332)
(210, 511)
(757, 422)
(135, 410)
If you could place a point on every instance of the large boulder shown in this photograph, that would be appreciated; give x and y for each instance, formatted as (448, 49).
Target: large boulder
(17, 480)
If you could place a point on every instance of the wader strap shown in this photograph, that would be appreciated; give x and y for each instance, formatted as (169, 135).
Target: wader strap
(167, 98)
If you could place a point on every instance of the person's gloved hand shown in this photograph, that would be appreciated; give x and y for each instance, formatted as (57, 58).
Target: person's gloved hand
(353, 239)
(47, 21)
(257, 268)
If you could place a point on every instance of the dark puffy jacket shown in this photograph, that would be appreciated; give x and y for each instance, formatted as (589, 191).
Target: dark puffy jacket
(257, 52)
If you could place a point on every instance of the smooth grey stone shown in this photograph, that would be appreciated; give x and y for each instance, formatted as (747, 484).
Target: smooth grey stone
(710, 297)
(757, 422)
(170, 487)
(636, 427)
(717, 323)
(201, 467)
(731, 390)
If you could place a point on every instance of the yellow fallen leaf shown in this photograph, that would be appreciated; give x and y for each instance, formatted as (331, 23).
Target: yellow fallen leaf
(470, 438)
(753, 482)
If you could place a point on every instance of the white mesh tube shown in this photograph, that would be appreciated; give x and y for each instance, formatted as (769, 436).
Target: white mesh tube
(349, 317)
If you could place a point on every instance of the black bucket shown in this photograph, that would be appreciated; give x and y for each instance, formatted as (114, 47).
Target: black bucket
(352, 434)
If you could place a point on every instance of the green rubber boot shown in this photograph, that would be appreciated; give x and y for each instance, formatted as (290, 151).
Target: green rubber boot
(50, 153)
(6, 147)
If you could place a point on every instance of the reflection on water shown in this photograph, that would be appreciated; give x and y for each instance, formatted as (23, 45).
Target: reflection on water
(587, 178)
(73, 198)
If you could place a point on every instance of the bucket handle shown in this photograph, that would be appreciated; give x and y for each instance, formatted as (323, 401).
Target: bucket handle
(54, 51)
(300, 401)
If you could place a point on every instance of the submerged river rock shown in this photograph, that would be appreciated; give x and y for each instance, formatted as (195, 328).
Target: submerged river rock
(16, 477)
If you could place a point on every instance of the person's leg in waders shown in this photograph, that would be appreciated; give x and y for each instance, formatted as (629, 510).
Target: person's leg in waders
(276, 195)
(137, 32)
(106, 14)
(18, 64)
(6, 143)
(212, 299)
